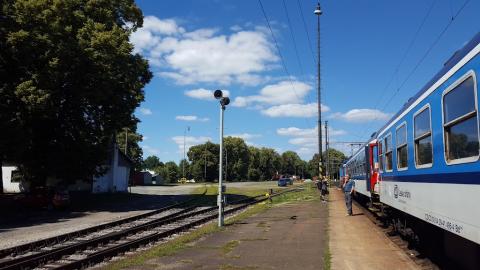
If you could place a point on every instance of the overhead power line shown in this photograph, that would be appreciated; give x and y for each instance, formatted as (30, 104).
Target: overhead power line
(279, 53)
(397, 68)
(306, 31)
(293, 38)
(427, 52)
(435, 42)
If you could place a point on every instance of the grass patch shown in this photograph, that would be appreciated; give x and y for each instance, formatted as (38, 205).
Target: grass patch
(234, 267)
(254, 239)
(327, 256)
(184, 241)
(228, 247)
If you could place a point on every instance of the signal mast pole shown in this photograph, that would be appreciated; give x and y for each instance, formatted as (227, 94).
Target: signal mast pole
(318, 12)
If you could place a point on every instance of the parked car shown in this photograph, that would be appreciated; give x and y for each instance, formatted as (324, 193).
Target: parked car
(45, 197)
(282, 182)
(290, 181)
(61, 198)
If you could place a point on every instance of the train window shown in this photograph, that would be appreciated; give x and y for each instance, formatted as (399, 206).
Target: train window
(402, 155)
(388, 153)
(423, 138)
(460, 122)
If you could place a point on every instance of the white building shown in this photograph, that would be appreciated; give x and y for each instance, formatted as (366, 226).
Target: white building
(11, 183)
(117, 176)
(115, 179)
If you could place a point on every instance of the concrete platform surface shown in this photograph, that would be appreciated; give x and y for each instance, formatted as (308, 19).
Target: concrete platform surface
(289, 236)
(356, 243)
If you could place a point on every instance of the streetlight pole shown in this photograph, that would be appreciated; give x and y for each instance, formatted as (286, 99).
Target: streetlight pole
(184, 146)
(327, 168)
(318, 12)
(224, 101)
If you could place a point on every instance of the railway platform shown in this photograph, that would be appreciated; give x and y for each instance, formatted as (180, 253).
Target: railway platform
(356, 243)
(288, 236)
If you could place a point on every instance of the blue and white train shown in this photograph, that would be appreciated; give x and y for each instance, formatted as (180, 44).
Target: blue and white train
(425, 161)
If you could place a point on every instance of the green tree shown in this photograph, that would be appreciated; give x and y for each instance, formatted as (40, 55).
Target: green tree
(236, 158)
(204, 159)
(184, 169)
(336, 158)
(290, 162)
(171, 172)
(152, 163)
(270, 163)
(313, 165)
(134, 151)
(70, 81)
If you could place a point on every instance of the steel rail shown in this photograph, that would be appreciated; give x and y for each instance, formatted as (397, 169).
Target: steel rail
(112, 251)
(67, 236)
(57, 253)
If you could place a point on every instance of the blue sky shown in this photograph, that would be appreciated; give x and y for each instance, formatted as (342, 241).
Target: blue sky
(195, 47)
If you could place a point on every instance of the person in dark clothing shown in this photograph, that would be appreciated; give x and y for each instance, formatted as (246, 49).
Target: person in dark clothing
(348, 189)
(324, 190)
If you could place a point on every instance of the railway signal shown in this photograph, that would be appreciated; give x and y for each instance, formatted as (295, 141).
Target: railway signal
(224, 101)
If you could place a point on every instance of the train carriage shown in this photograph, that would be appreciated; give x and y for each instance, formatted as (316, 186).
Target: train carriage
(425, 161)
(430, 150)
(363, 169)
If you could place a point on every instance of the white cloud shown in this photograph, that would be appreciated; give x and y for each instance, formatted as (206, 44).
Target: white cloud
(148, 36)
(245, 136)
(204, 55)
(189, 141)
(307, 139)
(204, 94)
(296, 132)
(236, 28)
(190, 118)
(146, 111)
(284, 92)
(361, 115)
(294, 110)
(150, 150)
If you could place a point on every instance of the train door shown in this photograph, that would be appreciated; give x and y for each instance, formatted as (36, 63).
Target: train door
(372, 165)
(368, 168)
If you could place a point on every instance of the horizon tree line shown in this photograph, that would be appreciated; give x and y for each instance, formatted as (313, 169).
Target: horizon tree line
(242, 163)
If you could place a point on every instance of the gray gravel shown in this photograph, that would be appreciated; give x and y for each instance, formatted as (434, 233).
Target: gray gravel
(46, 225)
(38, 227)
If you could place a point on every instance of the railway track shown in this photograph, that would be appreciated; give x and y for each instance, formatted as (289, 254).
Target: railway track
(99, 229)
(422, 261)
(88, 247)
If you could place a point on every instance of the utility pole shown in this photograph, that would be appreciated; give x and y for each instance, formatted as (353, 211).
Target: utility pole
(327, 171)
(184, 157)
(205, 163)
(318, 12)
(355, 144)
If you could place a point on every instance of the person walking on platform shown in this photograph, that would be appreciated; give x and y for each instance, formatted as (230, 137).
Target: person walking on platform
(324, 190)
(348, 189)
